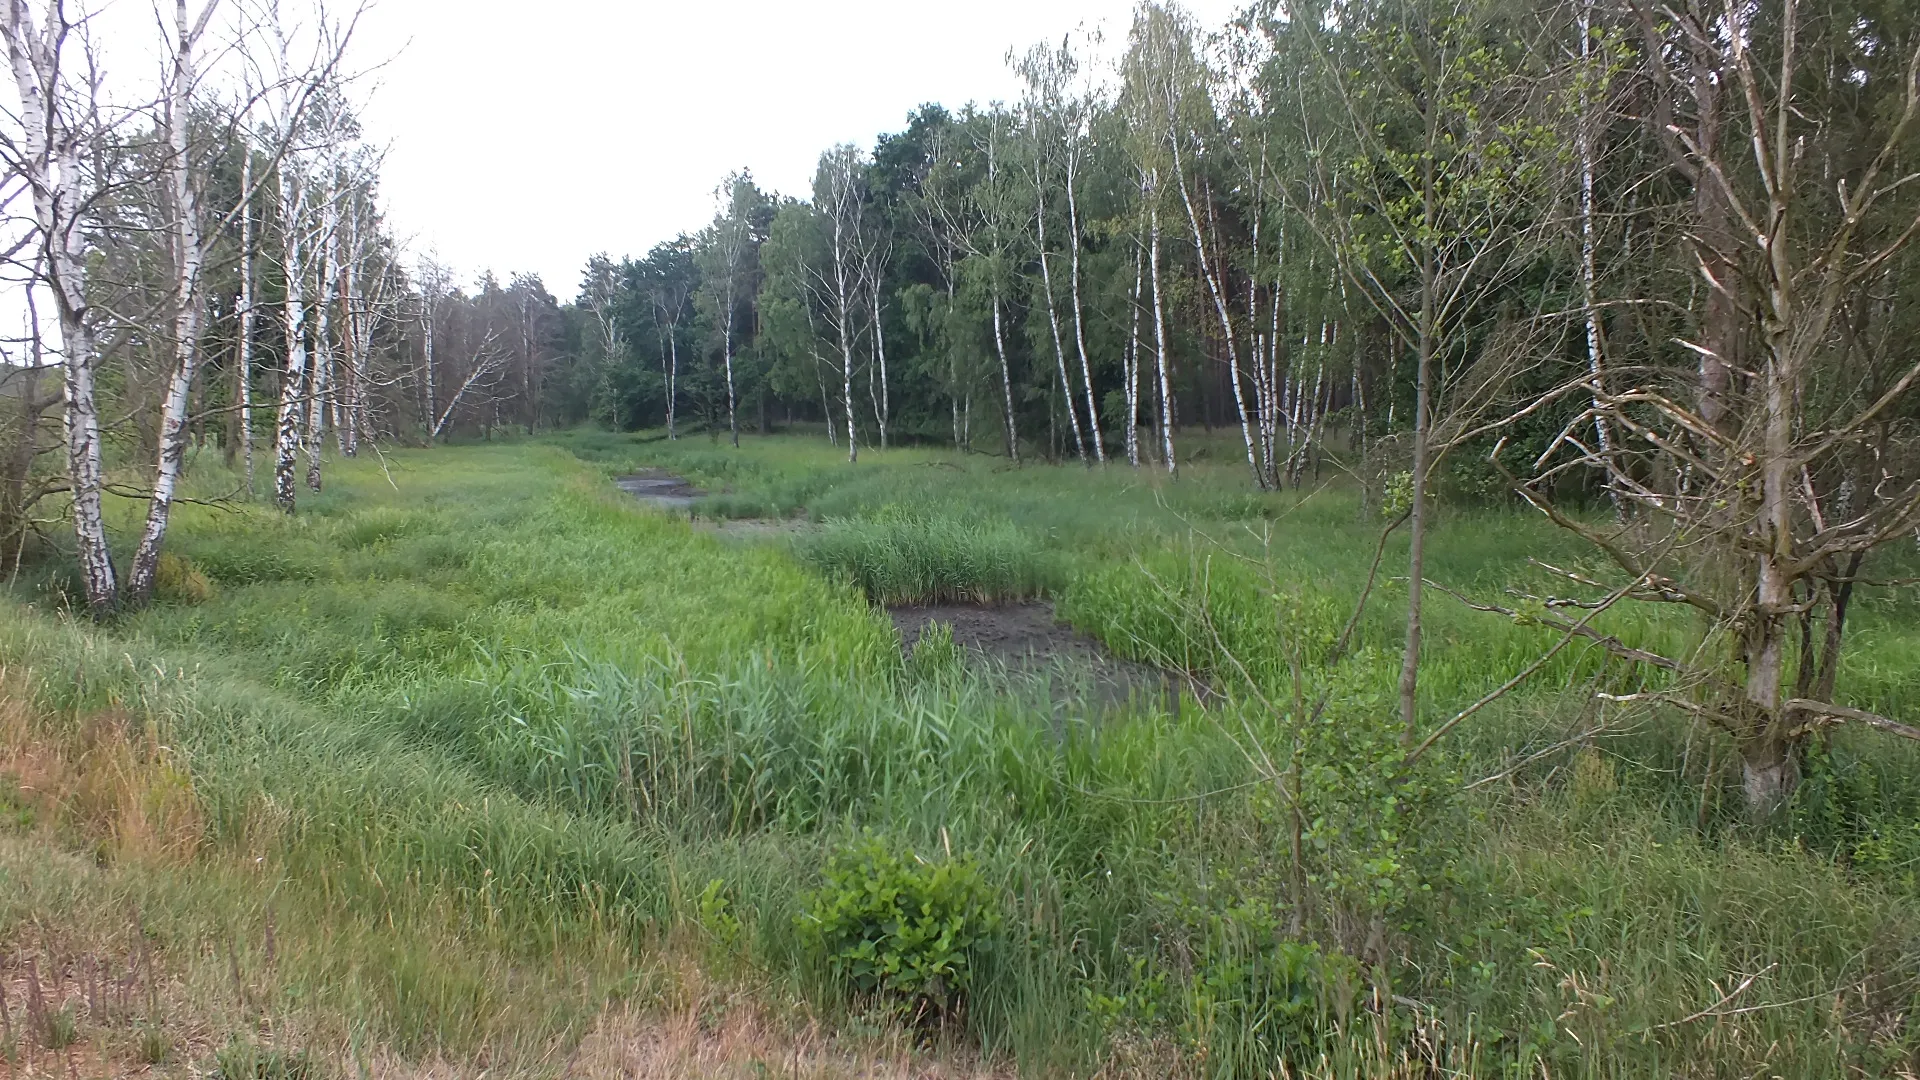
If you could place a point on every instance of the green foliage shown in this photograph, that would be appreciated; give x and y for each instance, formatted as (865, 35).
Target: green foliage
(899, 925)
(717, 917)
(935, 654)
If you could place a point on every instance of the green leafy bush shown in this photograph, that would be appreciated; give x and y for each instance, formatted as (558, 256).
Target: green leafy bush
(901, 926)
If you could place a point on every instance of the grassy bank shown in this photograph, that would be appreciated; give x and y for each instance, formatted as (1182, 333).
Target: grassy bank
(498, 755)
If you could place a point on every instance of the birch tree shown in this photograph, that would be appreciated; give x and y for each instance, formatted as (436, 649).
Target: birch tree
(59, 119)
(1045, 73)
(839, 199)
(991, 248)
(189, 261)
(730, 246)
(302, 66)
(1153, 119)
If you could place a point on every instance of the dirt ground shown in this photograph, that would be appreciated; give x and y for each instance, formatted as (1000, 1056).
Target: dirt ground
(1026, 639)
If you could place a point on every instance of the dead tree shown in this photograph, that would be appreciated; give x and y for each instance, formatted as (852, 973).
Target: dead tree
(1786, 454)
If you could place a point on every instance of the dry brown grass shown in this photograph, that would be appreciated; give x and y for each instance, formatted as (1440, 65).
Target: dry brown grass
(698, 1028)
(105, 777)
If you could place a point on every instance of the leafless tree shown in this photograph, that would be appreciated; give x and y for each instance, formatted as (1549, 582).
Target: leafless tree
(1775, 467)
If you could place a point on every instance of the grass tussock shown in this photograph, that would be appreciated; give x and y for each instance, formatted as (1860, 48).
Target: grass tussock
(908, 556)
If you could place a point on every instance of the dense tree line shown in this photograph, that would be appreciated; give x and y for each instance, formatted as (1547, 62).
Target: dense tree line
(1597, 255)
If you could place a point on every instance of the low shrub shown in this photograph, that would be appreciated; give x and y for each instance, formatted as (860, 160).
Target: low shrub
(898, 926)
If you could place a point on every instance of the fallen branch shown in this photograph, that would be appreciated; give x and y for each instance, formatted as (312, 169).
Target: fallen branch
(1572, 631)
(1834, 714)
(1606, 641)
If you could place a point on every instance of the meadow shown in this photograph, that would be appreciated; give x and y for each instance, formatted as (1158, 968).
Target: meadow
(475, 762)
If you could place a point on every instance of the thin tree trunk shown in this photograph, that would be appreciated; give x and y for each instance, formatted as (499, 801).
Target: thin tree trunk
(1006, 379)
(953, 363)
(427, 333)
(293, 382)
(673, 379)
(1589, 274)
(1417, 515)
(882, 405)
(726, 350)
(1133, 358)
(1216, 288)
(243, 374)
(1053, 313)
(1079, 317)
(51, 164)
(846, 387)
(352, 343)
(321, 382)
(826, 399)
(1160, 336)
(189, 256)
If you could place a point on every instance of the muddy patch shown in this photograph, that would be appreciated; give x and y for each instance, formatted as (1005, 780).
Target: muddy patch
(1027, 640)
(660, 489)
(757, 528)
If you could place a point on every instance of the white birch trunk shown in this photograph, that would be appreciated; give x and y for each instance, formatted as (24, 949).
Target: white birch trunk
(844, 285)
(189, 257)
(293, 388)
(1160, 331)
(1132, 364)
(1006, 379)
(1589, 284)
(1053, 312)
(953, 362)
(726, 352)
(1079, 317)
(321, 379)
(50, 166)
(345, 421)
(883, 405)
(426, 323)
(243, 380)
(673, 377)
(826, 399)
(1216, 288)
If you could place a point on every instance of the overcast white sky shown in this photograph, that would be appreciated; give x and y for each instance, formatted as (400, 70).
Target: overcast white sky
(529, 134)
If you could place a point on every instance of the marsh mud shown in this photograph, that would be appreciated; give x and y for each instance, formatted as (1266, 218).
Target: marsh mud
(660, 489)
(1027, 640)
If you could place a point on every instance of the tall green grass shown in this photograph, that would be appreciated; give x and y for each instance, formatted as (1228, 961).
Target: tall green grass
(504, 706)
(914, 556)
